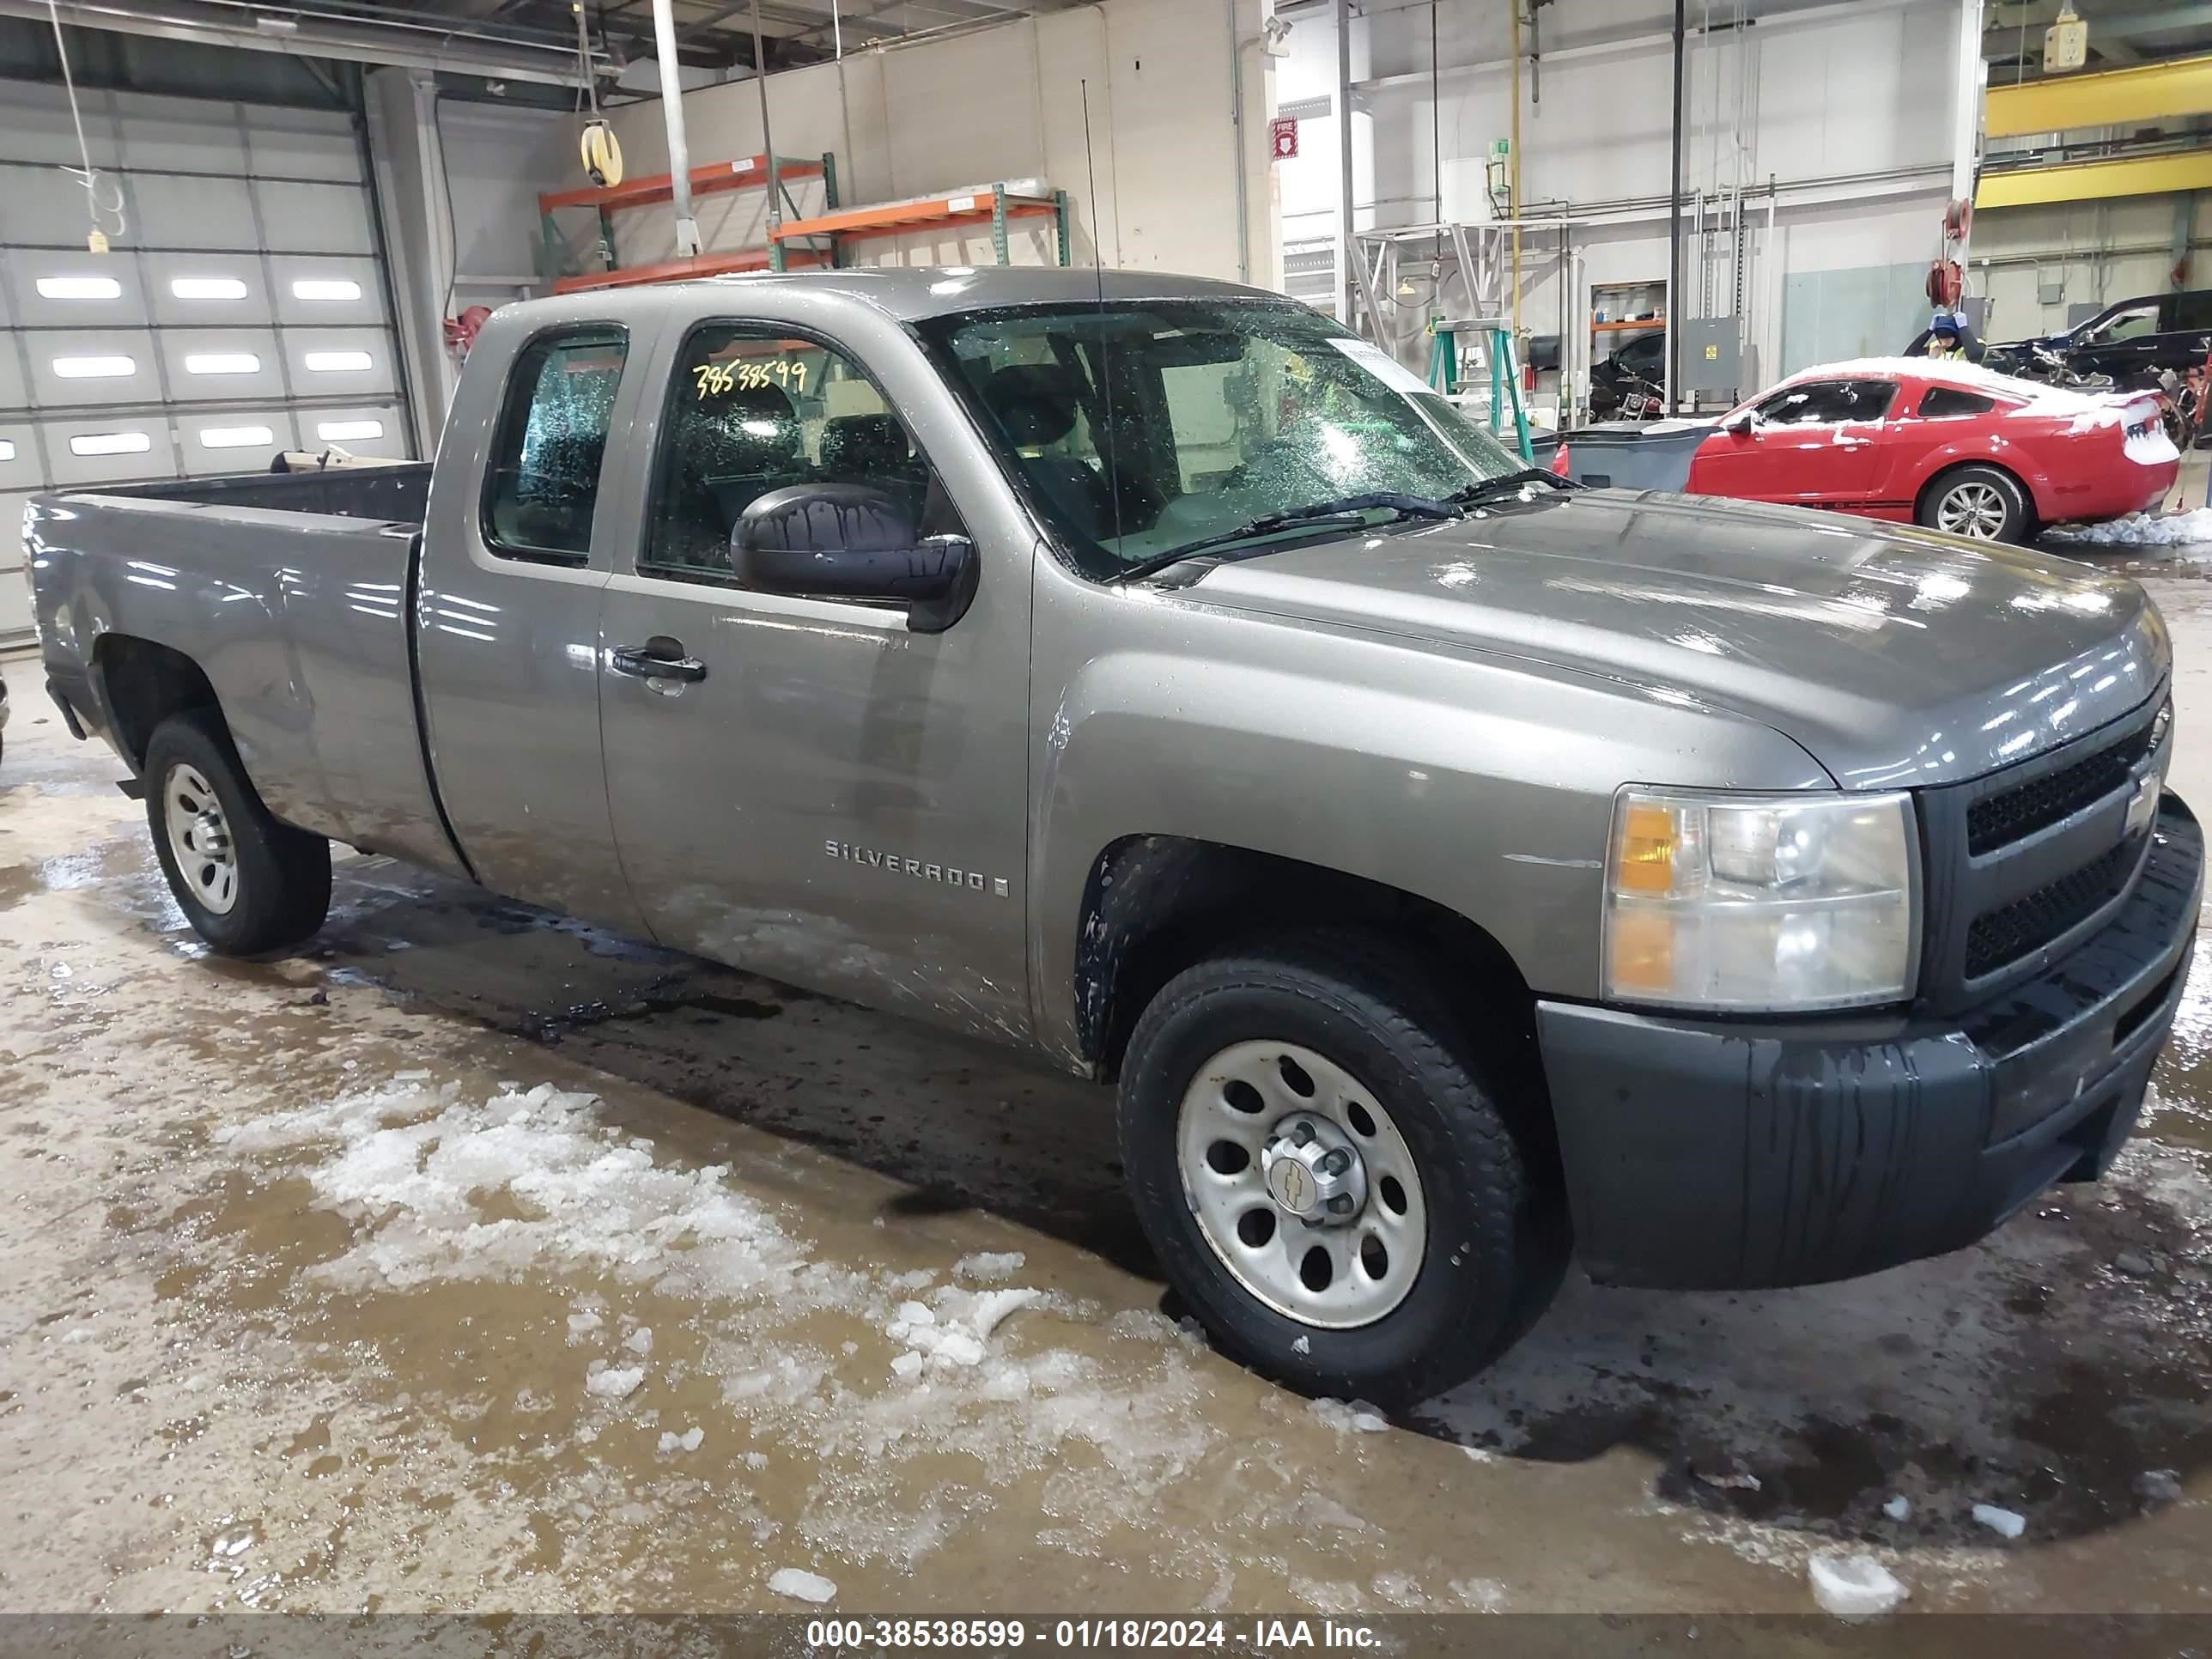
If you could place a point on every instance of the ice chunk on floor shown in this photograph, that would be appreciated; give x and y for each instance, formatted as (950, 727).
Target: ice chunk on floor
(2142, 530)
(1898, 1507)
(640, 1341)
(687, 1441)
(990, 1265)
(908, 1363)
(1854, 1586)
(613, 1382)
(2006, 1523)
(1349, 1417)
(801, 1585)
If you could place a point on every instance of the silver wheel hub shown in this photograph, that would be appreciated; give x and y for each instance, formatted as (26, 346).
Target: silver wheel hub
(199, 839)
(1301, 1184)
(1972, 509)
(1312, 1171)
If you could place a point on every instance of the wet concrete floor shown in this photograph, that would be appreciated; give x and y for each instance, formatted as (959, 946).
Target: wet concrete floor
(471, 1259)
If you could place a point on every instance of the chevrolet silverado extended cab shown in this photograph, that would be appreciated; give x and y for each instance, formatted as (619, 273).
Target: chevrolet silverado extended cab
(1454, 867)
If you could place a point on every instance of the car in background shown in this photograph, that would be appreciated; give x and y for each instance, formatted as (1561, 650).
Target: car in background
(1638, 364)
(2134, 342)
(1939, 443)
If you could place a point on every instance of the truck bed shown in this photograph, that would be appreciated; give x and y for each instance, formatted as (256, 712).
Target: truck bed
(293, 592)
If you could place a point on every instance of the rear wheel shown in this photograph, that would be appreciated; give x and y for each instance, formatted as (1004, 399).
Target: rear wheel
(1328, 1175)
(246, 882)
(1984, 502)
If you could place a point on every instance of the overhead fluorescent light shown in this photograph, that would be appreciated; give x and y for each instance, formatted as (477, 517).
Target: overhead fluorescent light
(336, 362)
(222, 362)
(110, 443)
(325, 287)
(207, 288)
(7, 449)
(234, 437)
(336, 432)
(94, 369)
(79, 288)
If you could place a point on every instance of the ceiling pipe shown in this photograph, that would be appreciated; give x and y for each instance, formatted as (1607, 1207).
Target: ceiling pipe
(1674, 233)
(321, 34)
(672, 117)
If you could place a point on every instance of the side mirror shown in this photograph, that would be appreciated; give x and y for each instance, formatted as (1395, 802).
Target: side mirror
(849, 542)
(1742, 425)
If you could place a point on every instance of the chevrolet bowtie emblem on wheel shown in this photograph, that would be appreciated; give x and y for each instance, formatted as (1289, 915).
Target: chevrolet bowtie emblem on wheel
(945, 874)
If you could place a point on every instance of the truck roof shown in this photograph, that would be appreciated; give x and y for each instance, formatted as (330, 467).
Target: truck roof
(912, 293)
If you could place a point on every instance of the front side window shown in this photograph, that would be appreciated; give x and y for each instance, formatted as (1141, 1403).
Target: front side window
(1826, 403)
(543, 481)
(2131, 324)
(1140, 428)
(754, 409)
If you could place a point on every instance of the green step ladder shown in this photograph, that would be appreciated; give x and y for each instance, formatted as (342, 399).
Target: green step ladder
(1504, 372)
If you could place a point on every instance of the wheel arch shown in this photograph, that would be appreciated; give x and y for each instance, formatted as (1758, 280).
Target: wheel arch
(140, 683)
(1156, 904)
(1952, 467)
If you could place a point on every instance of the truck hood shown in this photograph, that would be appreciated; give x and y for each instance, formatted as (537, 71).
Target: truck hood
(1895, 657)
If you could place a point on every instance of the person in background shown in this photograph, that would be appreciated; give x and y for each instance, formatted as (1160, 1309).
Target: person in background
(1947, 336)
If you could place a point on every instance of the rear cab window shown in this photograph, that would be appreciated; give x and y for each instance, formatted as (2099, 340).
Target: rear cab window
(542, 481)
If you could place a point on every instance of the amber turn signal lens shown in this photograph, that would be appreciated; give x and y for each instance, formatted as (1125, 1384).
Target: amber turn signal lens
(1647, 849)
(1642, 946)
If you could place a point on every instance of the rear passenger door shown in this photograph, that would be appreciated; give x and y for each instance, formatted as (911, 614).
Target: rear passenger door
(508, 617)
(809, 789)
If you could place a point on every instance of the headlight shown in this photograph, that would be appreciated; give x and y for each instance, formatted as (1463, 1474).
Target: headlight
(1760, 904)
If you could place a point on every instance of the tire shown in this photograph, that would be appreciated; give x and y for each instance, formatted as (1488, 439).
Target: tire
(1985, 503)
(246, 882)
(1476, 1243)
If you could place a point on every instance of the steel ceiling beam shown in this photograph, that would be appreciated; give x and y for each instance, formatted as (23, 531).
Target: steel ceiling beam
(441, 49)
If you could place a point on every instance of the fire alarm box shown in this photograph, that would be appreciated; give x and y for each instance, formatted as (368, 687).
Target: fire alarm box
(2065, 43)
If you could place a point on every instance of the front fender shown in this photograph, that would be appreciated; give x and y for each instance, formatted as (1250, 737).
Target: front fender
(1482, 784)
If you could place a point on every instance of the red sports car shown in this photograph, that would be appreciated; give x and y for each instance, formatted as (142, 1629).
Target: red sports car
(1907, 438)
(1942, 444)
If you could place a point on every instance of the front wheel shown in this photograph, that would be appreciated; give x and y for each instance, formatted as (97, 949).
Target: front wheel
(1982, 502)
(1328, 1179)
(246, 882)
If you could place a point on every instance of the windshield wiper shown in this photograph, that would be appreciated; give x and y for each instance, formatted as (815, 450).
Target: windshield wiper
(1507, 483)
(1345, 510)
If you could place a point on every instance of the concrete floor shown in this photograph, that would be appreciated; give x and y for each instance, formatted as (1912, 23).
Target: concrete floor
(473, 1260)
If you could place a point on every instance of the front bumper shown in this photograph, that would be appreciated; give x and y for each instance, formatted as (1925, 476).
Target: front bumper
(1729, 1155)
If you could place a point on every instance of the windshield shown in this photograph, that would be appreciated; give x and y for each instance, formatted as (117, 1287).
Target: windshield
(1141, 428)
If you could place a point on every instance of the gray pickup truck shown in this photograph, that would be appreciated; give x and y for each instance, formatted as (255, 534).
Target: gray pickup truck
(1457, 869)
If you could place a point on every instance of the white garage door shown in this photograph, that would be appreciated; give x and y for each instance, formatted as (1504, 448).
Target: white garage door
(241, 311)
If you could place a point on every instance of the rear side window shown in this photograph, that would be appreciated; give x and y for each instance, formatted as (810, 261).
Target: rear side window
(1943, 400)
(2193, 310)
(543, 481)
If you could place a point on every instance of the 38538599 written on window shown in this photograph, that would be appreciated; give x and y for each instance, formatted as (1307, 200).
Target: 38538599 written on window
(752, 408)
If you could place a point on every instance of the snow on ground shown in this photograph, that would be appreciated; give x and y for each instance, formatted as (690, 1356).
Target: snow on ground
(2142, 530)
(527, 1185)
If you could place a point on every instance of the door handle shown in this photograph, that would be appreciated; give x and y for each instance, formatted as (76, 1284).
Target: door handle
(658, 658)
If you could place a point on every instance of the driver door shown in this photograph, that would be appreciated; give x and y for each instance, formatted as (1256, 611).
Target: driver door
(1810, 445)
(804, 787)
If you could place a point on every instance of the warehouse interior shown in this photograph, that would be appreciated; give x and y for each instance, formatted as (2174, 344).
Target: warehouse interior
(465, 1257)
